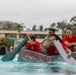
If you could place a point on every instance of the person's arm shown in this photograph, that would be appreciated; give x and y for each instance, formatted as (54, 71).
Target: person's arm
(64, 39)
(49, 42)
(67, 50)
(29, 39)
(69, 44)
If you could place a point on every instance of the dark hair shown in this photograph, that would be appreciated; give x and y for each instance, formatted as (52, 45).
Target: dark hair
(1, 40)
(52, 29)
(33, 37)
(69, 29)
(52, 35)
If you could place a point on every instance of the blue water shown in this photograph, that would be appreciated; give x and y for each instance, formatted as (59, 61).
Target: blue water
(26, 68)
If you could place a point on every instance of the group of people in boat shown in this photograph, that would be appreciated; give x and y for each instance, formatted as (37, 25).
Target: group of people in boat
(47, 47)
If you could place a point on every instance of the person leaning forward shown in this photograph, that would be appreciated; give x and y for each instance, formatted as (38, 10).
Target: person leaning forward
(49, 46)
(33, 44)
(51, 31)
(69, 39)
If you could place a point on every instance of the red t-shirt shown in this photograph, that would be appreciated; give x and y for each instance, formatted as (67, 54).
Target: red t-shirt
(34, 47)
(53, 51)
(70, 40)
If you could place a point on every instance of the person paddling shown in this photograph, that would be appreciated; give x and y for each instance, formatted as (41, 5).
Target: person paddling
(49, 46)
(33, 44)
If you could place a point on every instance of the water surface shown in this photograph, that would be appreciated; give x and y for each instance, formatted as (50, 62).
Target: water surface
(27, 68)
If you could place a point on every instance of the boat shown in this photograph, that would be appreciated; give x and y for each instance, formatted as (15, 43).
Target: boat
(32, 56)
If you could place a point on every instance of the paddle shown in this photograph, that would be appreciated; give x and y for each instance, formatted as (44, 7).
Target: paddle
(11, 54)
(63, 53)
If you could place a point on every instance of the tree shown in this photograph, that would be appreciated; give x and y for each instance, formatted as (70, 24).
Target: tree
(41, 27)
(28, 29)
(52, 25)
(73, 23)
(7, 25)
(62, 26)
(73, 19)
(34, 28)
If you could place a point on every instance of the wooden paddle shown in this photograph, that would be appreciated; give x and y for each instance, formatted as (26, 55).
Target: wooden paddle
(11, 54)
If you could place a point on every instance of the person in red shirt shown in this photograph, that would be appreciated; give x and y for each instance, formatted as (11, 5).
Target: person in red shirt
(33, 44)
(69, 39)
(51, 49)
(51, 31)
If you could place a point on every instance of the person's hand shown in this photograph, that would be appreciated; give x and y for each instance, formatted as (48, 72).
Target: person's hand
(51, 38)
(75, 44)
(69, 53)
(28, 34)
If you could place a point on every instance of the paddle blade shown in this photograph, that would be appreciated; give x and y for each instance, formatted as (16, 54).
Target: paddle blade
(10, 55)
(62, 52)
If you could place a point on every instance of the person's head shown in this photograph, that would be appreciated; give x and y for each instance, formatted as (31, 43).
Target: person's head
(33, 37)
(69, 32)
(51, 31)
(1, 40)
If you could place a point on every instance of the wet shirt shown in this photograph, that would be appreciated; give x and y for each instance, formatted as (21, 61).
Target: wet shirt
(34, 47)
(53, 51)
(69, 40)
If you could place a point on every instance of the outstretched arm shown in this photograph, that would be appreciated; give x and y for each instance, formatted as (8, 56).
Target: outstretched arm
(69, 52)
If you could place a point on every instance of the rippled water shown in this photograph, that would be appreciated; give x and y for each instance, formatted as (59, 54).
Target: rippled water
(26, 68)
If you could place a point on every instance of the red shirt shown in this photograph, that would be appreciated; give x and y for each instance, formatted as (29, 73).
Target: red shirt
(53, 51)
(70, 40)
(34, 47)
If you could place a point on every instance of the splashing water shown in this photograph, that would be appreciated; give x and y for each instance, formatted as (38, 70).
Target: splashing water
(27, 68)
